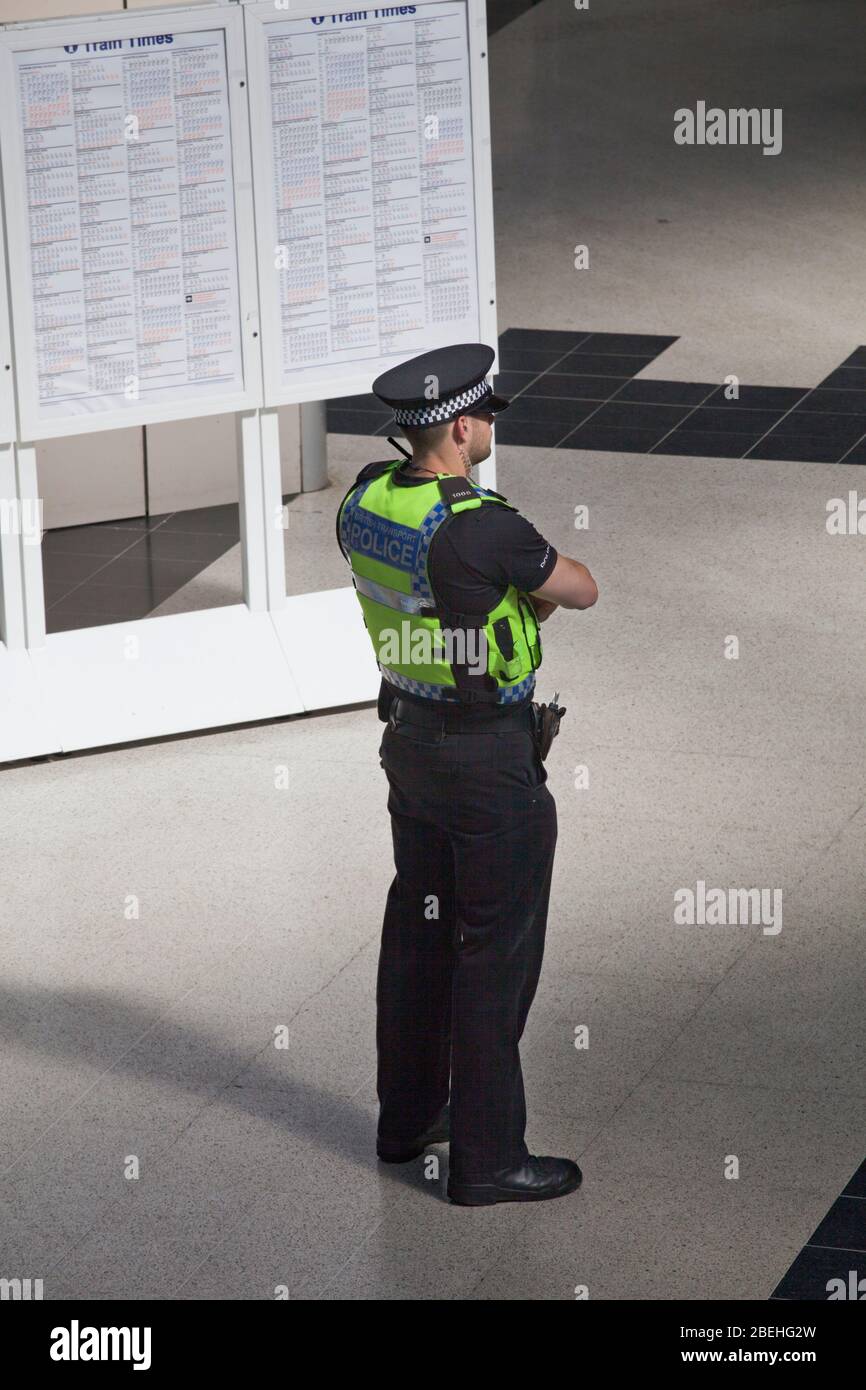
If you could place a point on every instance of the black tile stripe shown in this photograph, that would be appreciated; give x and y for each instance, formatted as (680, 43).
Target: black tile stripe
(581, 390)
(575, 389)
(835, 1251)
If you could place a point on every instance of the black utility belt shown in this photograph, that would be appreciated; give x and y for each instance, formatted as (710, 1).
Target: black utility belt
(458, 722)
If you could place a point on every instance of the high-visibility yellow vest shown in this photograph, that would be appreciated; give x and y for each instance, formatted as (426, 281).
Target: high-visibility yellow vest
(385, 531)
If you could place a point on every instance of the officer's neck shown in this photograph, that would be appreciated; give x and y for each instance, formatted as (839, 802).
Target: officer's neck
(432, 461)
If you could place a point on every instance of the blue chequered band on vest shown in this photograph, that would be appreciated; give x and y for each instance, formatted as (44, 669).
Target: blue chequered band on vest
(428, 528)
(504, 696)
(349, 513)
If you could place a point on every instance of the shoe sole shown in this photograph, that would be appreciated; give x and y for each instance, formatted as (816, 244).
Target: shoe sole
(487, 1194)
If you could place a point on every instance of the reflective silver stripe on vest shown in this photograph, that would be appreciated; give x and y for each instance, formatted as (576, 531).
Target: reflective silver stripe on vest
(390, 598)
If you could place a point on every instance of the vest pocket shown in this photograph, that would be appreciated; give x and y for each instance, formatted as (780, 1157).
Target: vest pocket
(508, 663)
(533, 635)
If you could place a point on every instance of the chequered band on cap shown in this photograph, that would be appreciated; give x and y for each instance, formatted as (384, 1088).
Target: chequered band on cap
(446, 408)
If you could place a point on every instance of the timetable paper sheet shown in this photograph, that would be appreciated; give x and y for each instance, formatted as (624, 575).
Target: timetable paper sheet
(130, 206)
(372, 173)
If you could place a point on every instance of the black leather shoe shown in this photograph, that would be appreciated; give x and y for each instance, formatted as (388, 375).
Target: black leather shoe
(537, 1180)
(402, 1150)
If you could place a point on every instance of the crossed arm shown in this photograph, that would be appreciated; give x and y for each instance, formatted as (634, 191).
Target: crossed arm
(570, 586)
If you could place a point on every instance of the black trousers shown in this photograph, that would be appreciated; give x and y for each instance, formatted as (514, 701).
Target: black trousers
(474, 830)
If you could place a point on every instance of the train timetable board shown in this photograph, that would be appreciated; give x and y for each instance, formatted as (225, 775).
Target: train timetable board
(125, 149)
(372, 188)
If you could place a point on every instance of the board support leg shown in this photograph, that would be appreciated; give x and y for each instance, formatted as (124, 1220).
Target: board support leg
(276, 516)
(314, 446)
(12, 631)
(30, 545)
(261, 510)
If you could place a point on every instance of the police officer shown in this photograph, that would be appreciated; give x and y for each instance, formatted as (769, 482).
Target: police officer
(453, 584)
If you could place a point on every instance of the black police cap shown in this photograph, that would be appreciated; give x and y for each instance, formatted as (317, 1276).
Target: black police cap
(440, 385)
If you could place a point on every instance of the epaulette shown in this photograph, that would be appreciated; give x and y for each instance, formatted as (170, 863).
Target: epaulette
(373, 470)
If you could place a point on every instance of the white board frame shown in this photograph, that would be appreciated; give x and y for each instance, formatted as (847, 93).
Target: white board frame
(16, 38)
(8, 430)
(344, 379)
(260, 660)
(11, 580)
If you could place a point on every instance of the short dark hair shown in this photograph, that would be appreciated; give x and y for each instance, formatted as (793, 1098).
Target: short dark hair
(427, 437)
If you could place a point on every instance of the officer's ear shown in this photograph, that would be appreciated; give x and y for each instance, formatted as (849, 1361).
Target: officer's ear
(461, 428)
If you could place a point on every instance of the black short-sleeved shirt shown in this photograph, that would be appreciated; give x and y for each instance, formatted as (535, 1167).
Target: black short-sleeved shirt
(475, 557)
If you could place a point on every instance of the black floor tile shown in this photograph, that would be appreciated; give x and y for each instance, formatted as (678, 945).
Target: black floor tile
(836, 1246)
(509, 383)
(642, 344)
(184, 545)
(844, 1226)
(535, 360)
(705, 443)
(90, 540)
(582, 363)
(846, 378)
(539, 434)
(221, 521)
(354, 421)
(666, 392)
(857, 358)
(796, 449)
(857, 1186)
(589, 388)
(733, 418)
(832, 401)
(160, 587)
(812, 1271)
(568, 411)
(141, 570)
(638, 415)
(137, 523)
(73, 619)
(542, 338)
(822, 425)
(119, 603)
(855, 455)
(56, 589)
(774, 398)
(71, 568)
(610, 439)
